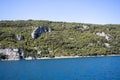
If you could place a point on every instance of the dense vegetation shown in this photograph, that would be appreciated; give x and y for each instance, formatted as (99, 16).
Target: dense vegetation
(66, 39)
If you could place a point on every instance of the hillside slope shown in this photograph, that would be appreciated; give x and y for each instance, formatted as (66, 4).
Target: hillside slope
(65, 39)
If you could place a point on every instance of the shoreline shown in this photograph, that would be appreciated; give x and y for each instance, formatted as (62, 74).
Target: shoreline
(65, 57)
(58, 57)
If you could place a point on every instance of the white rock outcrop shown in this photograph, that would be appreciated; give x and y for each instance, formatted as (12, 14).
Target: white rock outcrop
(82, 27)
(107, 36)
(107, 45)
(12, 53)
(85, 27)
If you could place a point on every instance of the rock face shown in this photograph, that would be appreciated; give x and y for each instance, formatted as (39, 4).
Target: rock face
(39, 30)
(108, 37)
(13, 53)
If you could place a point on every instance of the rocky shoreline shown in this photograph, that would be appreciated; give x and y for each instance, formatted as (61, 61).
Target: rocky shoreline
(60, 57)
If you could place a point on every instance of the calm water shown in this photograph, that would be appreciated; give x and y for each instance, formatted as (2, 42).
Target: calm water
(96, 68)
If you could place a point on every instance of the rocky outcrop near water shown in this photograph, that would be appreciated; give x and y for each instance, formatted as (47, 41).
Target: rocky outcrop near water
(11, 54)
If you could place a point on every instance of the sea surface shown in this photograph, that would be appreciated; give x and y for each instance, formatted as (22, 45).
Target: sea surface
(89, 68)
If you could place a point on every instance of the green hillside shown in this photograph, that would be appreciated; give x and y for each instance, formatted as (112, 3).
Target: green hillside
(66, 39)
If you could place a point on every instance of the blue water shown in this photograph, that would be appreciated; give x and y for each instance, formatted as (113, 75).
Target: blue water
(92, 68)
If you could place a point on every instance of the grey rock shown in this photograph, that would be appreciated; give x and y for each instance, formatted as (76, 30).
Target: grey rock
(40, 30)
